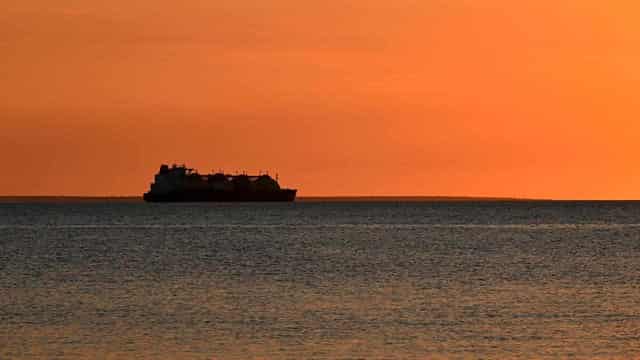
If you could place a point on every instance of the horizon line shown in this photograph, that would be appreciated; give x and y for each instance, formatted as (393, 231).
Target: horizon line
(328, 198)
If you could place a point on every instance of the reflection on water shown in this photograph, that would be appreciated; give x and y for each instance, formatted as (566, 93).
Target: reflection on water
(323, 281)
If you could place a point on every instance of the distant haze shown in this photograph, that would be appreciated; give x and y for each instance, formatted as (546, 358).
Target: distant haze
(500, 98)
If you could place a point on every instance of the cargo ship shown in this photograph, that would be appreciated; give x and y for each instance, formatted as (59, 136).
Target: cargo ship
(182, 184)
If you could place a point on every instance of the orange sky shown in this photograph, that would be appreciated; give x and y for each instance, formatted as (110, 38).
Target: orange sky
(360, 97)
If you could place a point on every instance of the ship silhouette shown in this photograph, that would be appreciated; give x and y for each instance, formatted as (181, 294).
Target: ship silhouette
(182, 184)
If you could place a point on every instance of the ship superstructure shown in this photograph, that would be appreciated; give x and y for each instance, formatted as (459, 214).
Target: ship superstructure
(179, 183)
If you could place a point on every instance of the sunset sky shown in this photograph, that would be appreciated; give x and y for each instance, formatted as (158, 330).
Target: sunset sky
(365, 97)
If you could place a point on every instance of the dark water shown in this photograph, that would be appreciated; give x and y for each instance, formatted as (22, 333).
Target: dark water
(320, 280)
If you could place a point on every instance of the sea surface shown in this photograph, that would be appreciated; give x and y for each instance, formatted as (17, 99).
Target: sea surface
(320, 280)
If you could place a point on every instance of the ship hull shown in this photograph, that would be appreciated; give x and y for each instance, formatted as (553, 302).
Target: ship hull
(221, 196)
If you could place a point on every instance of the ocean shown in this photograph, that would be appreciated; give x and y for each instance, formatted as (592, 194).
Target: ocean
(320, 280)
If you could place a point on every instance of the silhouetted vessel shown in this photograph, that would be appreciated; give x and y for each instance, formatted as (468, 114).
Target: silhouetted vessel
(179, 183)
